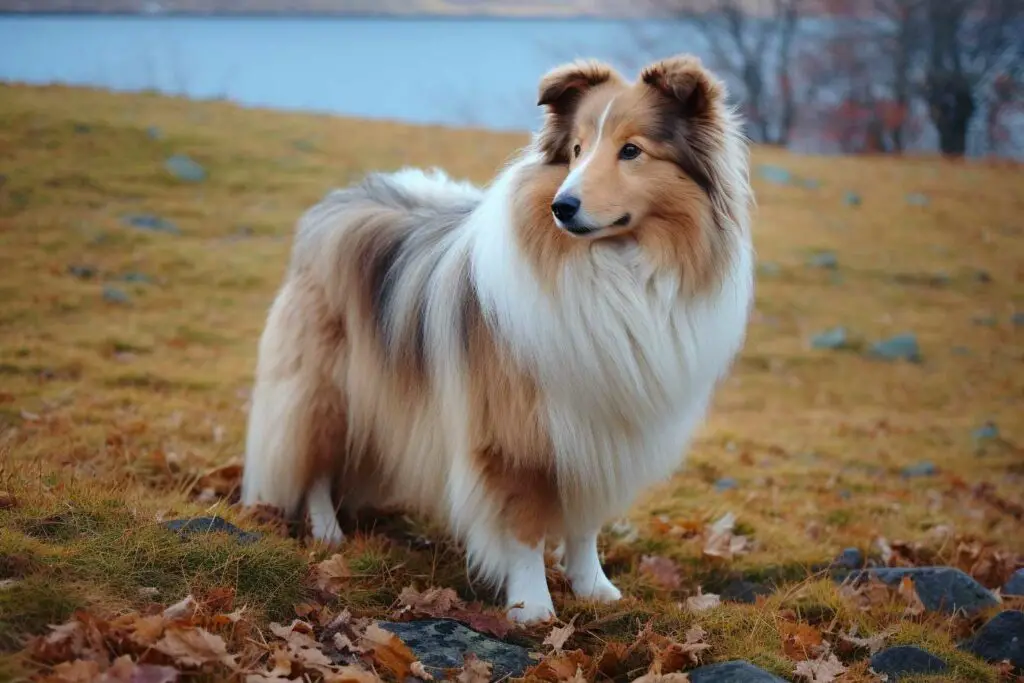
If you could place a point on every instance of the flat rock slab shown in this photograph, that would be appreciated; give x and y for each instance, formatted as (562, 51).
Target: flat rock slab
(1015, 586)
(209, 525)
(906, 660)
(732, 672)
(442, 643)
(941, 589)
(1001, 638)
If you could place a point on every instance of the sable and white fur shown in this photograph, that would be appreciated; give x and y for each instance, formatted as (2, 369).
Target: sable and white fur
(458, 352)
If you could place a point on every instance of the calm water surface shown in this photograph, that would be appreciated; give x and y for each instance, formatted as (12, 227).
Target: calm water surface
(452, 71)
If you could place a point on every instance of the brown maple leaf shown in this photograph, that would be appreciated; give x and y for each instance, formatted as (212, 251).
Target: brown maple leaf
(908, 591)
(332, 574)
(559, 634)
(433, 602)
(388, 651)
(800, 641)
(872, 643)
(194, 646)
(720, 541)
(654, 677)
(662, 571)
(824, 670)
(124, 670)
(559, 666)
(474, 670)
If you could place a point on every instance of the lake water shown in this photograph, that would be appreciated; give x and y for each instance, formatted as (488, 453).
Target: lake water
(481, 72)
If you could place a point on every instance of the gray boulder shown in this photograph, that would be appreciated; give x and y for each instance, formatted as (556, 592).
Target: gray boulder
(1001, 638)
(736, 671)
(442, 644)
(941, 589)
(906, 660)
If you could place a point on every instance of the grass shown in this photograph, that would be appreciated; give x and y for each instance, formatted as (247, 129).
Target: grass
(113, 407)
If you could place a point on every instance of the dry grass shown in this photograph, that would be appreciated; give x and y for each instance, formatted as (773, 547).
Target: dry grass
(109, 412)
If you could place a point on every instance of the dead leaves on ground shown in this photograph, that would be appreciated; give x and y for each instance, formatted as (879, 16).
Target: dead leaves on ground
(446, 603)
(719, 539)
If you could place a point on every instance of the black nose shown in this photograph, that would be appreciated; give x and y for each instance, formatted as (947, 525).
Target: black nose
(565, 208)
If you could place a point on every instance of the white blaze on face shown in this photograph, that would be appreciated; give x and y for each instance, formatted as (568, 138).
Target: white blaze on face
(570, 186)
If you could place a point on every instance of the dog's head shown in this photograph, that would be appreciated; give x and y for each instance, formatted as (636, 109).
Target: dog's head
(652, 152)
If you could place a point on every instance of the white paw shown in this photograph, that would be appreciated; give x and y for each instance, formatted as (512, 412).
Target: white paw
(599, 589)
(532, 612)
(326, 530)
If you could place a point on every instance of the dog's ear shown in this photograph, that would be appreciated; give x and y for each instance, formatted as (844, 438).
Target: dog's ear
(690, 87)
(561, 90)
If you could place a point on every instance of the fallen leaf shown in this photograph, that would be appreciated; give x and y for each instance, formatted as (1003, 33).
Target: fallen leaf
(474, 670)
(800, 641)
(332, 574)
(823, 670)
(872, 643)
(702, 601)
(194, 647)
(720, 542)
(559, 634)
(182, 609)
(78, 671)
(559, 666)
(124, 670)
(303, 649)
(662, 571)
(433, 602)
(389, 651)
(147, 630)
(908, 591)
(417, 669)
(651, 677)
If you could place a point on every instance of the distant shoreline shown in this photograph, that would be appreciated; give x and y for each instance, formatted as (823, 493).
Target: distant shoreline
(313, 14)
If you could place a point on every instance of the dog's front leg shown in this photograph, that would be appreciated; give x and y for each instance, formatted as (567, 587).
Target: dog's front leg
(526, 585)
(583, 568)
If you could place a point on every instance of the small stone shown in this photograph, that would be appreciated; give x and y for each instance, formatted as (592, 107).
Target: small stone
(834, 338)
(1001, 638)
(917, 199)
(824, 259)
(941, 589)
(82, 272)
(148, 221)
(154, 133)
(850, 558)
(1015, 586)
(744, 591)
(208, 525)
(921, 469)
(986, 432)
(900, 347)
(725, 484)
(442, 643)
(852, 199)
(982, 276)
(1017, 320)
(185, 168)
(134, 276)
(736, 671)
(906, 660)
(775, 174)
(115, 295)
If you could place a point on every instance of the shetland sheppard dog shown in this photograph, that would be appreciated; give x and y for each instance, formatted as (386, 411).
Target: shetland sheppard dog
(517, 362)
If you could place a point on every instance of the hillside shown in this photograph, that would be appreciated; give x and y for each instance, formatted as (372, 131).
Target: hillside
(131, 305)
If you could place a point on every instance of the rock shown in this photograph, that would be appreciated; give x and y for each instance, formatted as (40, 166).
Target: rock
(741, 590)
(769, 269)
(941, 589)
(824, 259)
(917, 199)
(82, 272)
(441, 643)
(154, 133)
(736, 671)
(148, 221)
(986, 432)
(835, 338)
(921, 469)
(134, 276)
(852, 199)
(850, 558)
(183, 167)
(982, 276)
(906, 660)
(209, 525)
(1001, 638)
(775, 174)
(115, 295)
(725, 484)
(1015, 586)
(985, 320)
(1017, 320)
(900, 347)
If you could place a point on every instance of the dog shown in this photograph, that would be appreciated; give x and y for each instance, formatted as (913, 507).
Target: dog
(518, 361)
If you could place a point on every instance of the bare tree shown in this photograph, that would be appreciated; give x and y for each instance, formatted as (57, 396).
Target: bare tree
(756, 51)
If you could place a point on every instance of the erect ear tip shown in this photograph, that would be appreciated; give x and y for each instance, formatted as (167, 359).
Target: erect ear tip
(576, 75)
(681, 77)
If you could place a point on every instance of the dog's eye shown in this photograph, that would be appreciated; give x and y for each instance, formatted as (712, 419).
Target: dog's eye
(576, 150)
(629, 151)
